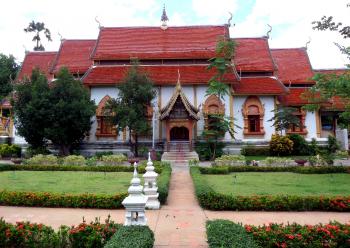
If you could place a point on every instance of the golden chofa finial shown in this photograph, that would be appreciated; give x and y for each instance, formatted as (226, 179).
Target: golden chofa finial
(164, 19)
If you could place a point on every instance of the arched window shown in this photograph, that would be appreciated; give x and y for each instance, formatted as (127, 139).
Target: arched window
(253, 115)
(104, 126)
(212, 105)
(295, 129)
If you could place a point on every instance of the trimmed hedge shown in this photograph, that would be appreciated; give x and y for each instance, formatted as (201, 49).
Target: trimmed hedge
(294, 235)
(132, 237)
(209, 199)
(46, 199)
(224, 233)
(255, 151)
(38, 199)
(295, 169)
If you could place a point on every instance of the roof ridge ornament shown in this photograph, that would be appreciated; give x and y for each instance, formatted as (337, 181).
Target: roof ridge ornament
(178, 84)
(269, 31)
(307, 43)
(229, 20)
(164, 19)
(98, 22)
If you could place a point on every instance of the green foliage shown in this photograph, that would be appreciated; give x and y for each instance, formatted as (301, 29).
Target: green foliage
(222, 64)
(300, 145)
(333, 234)
(280, 145)
(74, 160)
(10, 150)
(31, 108)
(193, 162)
(8, 72)
(209, 199)
(70, 112)
(31, 151)
(46, 160)
(38, 27)
(115, 159)
(332, 144)
(163, 182)
(39, 199)
(284, 118)
(230, 160)
(295, 169)
(99, 155)
(224, 233)
(255, 151)
(277, 160)
(132, 237)
(135, 93)
(204, 150)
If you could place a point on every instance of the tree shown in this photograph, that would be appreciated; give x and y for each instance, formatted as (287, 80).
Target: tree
(328, 23)
(284, 118)
(333, 89)
(38, 27)
(31, 108)
(70, 112)
(8, 72)
(222, 63)
(218, 125)
(129, 109)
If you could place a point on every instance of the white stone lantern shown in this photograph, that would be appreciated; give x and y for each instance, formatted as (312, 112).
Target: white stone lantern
(135, 203)
(150, 187)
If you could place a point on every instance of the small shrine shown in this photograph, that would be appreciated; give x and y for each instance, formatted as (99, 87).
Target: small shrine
(150, 187)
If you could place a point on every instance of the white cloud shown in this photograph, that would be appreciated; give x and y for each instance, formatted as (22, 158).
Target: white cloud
(291, 21)
(214, 12)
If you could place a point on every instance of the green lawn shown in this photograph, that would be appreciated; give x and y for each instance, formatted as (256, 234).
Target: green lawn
(273, 183)
(74, 182)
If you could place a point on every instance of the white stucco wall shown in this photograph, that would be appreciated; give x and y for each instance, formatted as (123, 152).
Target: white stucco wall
(18, 139)
(97, 93)
(310, 124)
(268, 103)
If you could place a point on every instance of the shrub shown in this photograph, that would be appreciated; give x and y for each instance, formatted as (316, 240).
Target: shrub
(42, 160)
(255, 151)
(99, 155)
(332, 144)
(116, 159)
(224, 233)
(232, 160)
(74, 160)
(163, 182)
(294, 235)
(94, 235)
(205, 150)
(278, 161)
(39, 199)
(342, 154)
(25, 234)
(31, 152)
(280, 145)
(10, 150)
(91, 161)
(300, 145)
(193, 162)
(132, 237)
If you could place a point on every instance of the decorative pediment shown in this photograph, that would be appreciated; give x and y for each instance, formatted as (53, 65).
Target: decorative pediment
(179, 100)
(213, 105)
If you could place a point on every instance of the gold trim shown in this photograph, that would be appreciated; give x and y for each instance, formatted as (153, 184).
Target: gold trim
(160, 131)
(318, 124)
(195, 105)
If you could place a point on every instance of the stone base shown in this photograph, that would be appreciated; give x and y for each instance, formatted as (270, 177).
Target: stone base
(131, 220)
(153, 204)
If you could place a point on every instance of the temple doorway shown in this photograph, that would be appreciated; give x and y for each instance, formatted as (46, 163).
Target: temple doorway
(179, 134)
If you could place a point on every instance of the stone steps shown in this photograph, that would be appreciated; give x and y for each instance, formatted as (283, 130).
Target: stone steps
(179, 151)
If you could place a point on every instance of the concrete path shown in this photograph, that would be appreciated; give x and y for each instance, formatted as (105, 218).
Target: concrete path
(179, 223)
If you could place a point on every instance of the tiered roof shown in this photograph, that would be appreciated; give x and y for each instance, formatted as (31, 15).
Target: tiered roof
(75, 55)
(293, 66)
(259, 86)
(41, 60)
(188, 42)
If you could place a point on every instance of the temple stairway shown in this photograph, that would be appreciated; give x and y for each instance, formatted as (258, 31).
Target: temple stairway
(179, 151)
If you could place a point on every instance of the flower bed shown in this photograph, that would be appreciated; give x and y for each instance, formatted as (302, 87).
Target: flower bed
(209, 199)
(94, 234)
(39, 199)
(224, 233)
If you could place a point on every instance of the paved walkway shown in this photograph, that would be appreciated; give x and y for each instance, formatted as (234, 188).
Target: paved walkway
(179, 223)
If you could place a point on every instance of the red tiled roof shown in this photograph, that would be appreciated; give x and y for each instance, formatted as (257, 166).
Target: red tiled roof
(160, 74)
(191, 42)
(293, 98)
(253, 55)
(259, 86)
(293, 65)
(74, 54)
(41, 60)
(332, 71)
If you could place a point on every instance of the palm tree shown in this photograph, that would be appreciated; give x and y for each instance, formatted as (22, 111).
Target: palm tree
(38, 27)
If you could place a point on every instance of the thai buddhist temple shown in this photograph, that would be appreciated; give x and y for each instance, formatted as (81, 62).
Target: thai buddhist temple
(176, 60)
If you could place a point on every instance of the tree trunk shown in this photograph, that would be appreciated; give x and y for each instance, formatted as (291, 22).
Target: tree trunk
(64, 150)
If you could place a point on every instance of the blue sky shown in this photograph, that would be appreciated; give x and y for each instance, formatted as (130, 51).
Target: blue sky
(73, 19)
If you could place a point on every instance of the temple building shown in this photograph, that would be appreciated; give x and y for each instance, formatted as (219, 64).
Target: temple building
(176, 59)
